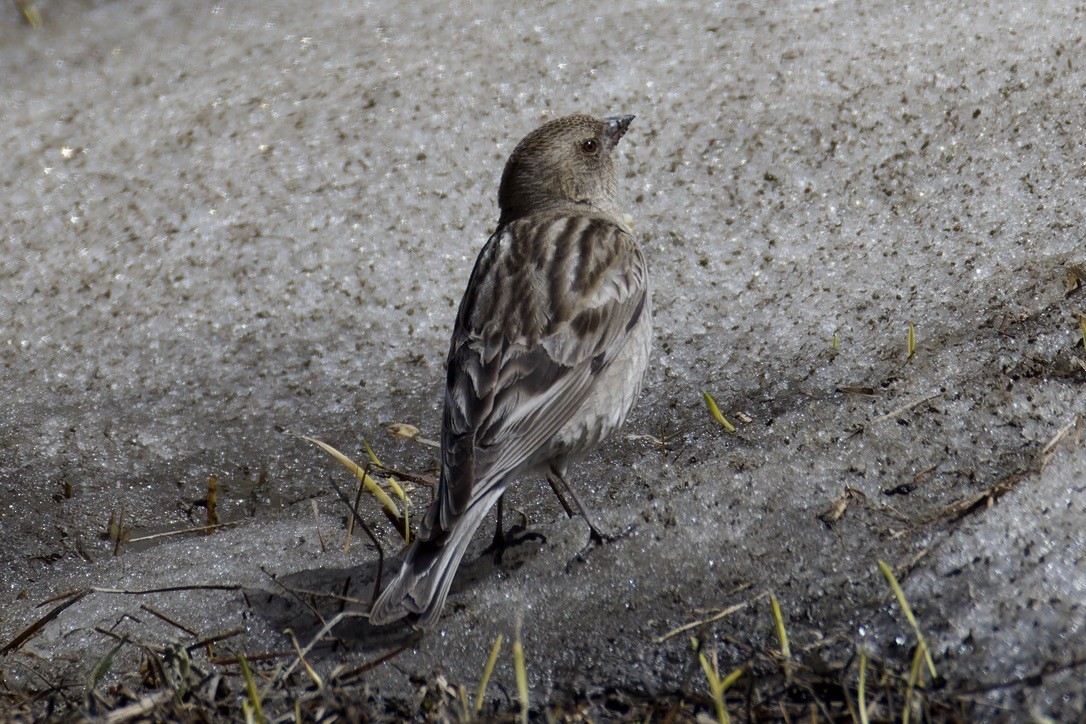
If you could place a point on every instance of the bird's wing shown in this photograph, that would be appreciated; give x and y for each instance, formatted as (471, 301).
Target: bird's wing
(550, 302)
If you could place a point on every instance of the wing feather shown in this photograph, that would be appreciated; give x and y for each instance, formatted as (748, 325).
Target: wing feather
(550, 302)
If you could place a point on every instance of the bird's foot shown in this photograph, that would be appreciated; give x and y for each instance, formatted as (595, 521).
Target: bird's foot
(515, 536)
(599, 537)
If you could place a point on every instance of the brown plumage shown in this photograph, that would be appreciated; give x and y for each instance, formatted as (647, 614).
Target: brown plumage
(549, 350)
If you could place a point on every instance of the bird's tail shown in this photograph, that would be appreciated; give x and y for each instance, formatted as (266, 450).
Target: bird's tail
(419, 590)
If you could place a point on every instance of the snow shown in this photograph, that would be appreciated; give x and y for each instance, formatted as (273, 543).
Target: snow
(225, 223)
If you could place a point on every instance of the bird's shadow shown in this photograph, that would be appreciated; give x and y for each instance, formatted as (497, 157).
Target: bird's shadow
(306, 601)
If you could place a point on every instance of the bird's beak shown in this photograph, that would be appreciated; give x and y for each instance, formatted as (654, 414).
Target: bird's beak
(616, 127)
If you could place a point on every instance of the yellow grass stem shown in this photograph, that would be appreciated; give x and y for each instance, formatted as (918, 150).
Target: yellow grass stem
(370, 484)
(717, 686)
(715, 412)
(782, 637)
(480, 695)
(861, 692)
(888, 573)
(257, 710)
(522, 677)
(916, 670)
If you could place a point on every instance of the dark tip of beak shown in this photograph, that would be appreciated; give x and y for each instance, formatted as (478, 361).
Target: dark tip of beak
(616, 127)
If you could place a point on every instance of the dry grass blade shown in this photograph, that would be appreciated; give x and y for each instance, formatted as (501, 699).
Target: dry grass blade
(370, 483)
(394, 486)
(332, 622)
(30, 631)
(233, 660)
(305, 664)
(858, 390)
(371, 454)
(30, 12)
(185, 531)
(888, 573)
(139, 709)
(694, 624)
(391, 510)
(1049, 451)
(392, 482)
(905, 408)
(715, 412)
(212, 500)
(294, 594)
(369, 666)
(912, 340)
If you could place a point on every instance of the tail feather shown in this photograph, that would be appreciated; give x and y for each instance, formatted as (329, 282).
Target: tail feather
(419, 590)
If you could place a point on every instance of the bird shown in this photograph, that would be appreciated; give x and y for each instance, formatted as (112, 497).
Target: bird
(549, 350)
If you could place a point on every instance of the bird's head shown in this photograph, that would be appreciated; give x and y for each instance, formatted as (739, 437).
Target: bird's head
(568, 161)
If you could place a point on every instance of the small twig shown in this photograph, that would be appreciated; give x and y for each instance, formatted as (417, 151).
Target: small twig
(427, 481)
(119, 531)
(317, 524)
(30, 631)
(694, 624)
(167, 619)
(354, 511)
(214, 639)
(233, 660)
(282, 676)
(171, 589)
(1049, 451)
(172, 533)
(372, 537)
(110, 634)
(904, 408)
(213, 500)
(293, 594)
(301, 657)
(340, 597)
(347, 676)
(139, 709)
(62, 596)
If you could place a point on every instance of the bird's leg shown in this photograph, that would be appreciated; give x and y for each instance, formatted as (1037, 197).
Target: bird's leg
(556, 479)
(557, 488)
(517, 534)
(499, 535)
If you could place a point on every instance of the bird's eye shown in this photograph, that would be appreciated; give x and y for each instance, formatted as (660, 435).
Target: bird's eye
(590, 146)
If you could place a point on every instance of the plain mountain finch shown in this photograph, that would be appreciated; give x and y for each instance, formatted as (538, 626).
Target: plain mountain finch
(549, 350)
